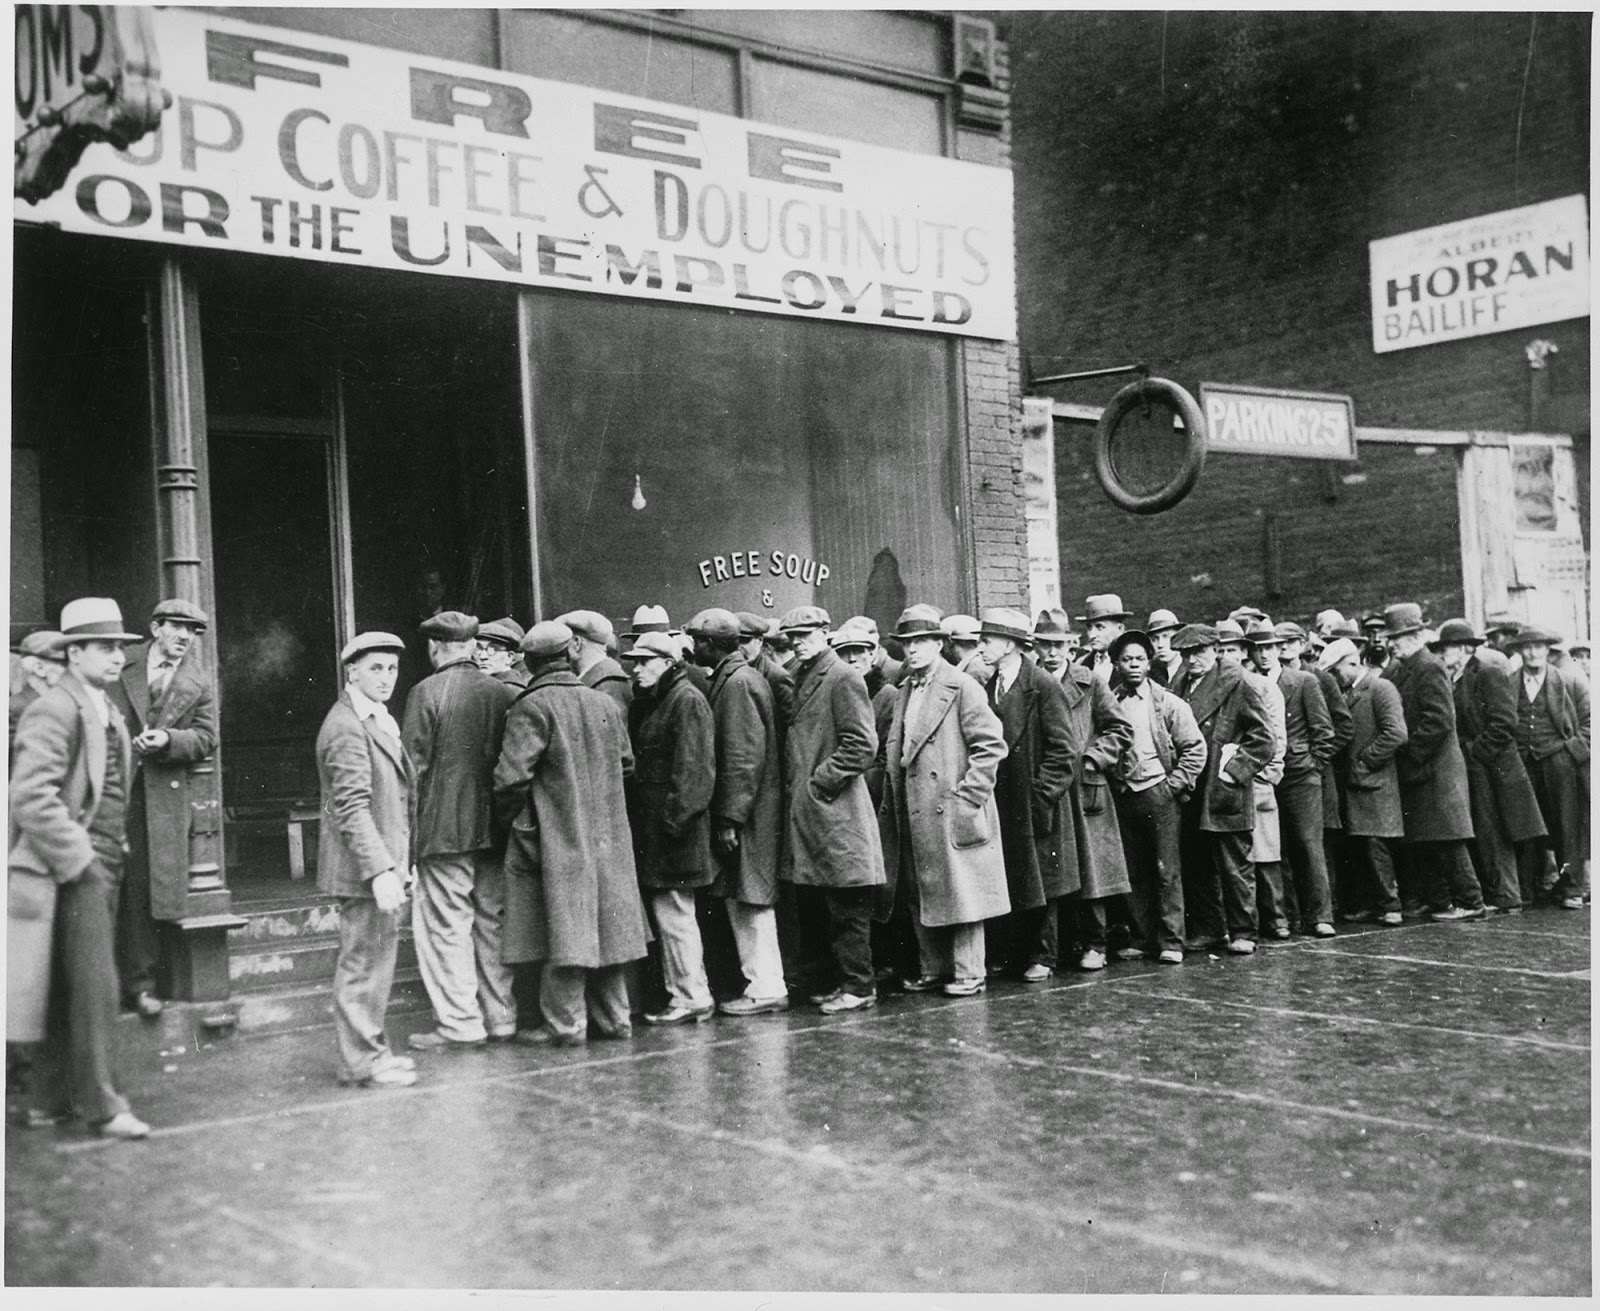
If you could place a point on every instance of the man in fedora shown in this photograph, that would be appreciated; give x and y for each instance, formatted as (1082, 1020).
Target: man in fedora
(1432, 771)
(1505, 810)
(166, 695)
(1106, 620)
(833, 852)
(42, 666)
(1165, 664)
(1552, 737)
(941, 830)
(453, 724)
(591, 633)
(70, 782)
(364, 855)
(1036, 826)
(961, 646)
(1052, 641)
(497, 653)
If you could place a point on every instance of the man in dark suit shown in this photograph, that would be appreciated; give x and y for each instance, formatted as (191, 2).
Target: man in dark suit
(1433, 774)
(364, 855)
(1553, 740)
(454, 722)
(69, 790)
(166, 695)
(1505, 810)
(1219, 882)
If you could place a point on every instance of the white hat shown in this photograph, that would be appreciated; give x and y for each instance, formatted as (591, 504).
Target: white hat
(649, 619)
(92, 618)
(1334, 652)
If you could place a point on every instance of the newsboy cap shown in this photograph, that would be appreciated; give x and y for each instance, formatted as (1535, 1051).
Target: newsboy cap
(851, 634)
(752, 624)
(651, 645)
(505, 632)
(43, 645)
(1162, 621)
(866, 623)
(1502, 622)
(919, 621)
(1245, 613)
(449, 626)
(714, 622)
(589, 624)
(1108, 605)
(1003, 621)
(180, 611)
(548, 638)
(366, 643)
(1334, 652)
(802, 617)
(1401, 619)
(1191, 636)
(1133, 637)
(1289, 632)
(960, 628)
(1456, 632)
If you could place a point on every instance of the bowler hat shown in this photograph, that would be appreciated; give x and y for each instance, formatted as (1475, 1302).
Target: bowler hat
(714, 622)
(1398, 620)
(1162, 621)
(92, 618)
(649, 619)
(1003, 621)
(1191, 636)
(366, 643)
(1534, 634)
(1501, 622)
(1228, 631)
(43, 645)
(849, 635)
(919, 621)
(1133, 637)
(449, 626)
(180, 611)
(804, 616)
(1261, 633)
(505, 632)
(1108, 605)
(588, 624)
(650, 645)
(1334, 652)
(548, 638)
(751, 625)
(960, 628)
(1456, 632)
(1052, 626)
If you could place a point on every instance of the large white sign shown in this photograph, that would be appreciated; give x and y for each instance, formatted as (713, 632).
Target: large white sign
(1513, 269)
(280, 143)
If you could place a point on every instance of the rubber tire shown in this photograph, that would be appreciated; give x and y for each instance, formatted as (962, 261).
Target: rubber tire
(1194, 460)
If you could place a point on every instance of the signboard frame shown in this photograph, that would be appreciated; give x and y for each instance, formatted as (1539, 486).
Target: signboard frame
(1215, 443)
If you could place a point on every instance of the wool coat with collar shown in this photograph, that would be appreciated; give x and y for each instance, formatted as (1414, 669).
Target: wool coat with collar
(749, 786)
(1036, 818)
(1432, 770)
(1099, 733)
(1486, 722)
(1372, 787)
(453, 723)
(675, 770)
(1231, 712)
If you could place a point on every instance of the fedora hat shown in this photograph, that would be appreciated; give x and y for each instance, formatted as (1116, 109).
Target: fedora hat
(1003, 621)
(1108, 605)
(1052, 626)
(1289, 632)
(1398, 620)
(1456, 632)
(1229, 631)
(1162, 621)
(1133, 637)
(93, 618)
(649, 619)
(44, 645)
(918, 621)
(1534, 634)
(1261, 633)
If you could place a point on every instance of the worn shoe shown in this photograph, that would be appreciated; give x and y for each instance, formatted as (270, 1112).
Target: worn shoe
(125, 1125)
(1414, 912)
(848, 1001)
(382, 1076)
(1572, 903)
(1241, 947)
(1459, 913)
(545, 1036)
(964, 987)
(821, 998)
(1323, 931)
(1393, 918)
(1092, 960)
(434, 1041)
(681, 1015)
(1171, 956)
(502, 1035)
(1037, 974)
(754, 1005)
(1130, 953)
(392, 1058)
(922, 983)
(1360, 916)
(148, 1005)
(1207, 945)
(1281, 932)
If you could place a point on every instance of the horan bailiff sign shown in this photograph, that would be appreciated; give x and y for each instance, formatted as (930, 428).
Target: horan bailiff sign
(1515, 269)
(1268, 421)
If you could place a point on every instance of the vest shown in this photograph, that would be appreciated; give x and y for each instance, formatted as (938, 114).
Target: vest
(1536, 729)
(107, 828)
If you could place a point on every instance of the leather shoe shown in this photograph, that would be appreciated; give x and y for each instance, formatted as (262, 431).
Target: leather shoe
(680, 1015)
(822, 998)
(1323, 931)
(1130, 953)
(1393, 918)
(922, 983)
(1241, 947)
(124, 1125)
(1360, 917)
(393, 1059)
(382, 1076)
(545, 1036)
(964, 987)
(1458, 913)
(849, 1001)
(1572, 903)
(1037, 974)
(1171, 956)
(754, 1005)
(1092, 960)
(434, 1041)
(148, 1005)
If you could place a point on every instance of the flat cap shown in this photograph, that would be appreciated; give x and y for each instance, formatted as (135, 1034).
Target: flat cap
(590, 624)
(505, 632)
(752, 624)
(649, 619)
(851, 634)
(650, 645)
(366, 643)
(866, 623)
(961, 628)
(545, 639)
(1191, 636)
(714, 622)
(180, 611)
(804, 616)
(1348, 629)
(1162, 621)
(920, 620)
(1288, 632)
(1131, 637)
(46, 645)
(1245, 612)
(449, 626)
(1003, 621)
(1334, 652)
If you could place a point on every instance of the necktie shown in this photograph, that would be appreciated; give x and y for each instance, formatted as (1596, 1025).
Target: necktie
(158, 684)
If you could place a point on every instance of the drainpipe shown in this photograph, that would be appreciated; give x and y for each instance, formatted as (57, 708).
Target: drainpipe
(1539, 352)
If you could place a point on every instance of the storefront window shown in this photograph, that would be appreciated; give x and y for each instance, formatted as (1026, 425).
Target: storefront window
(848, 107)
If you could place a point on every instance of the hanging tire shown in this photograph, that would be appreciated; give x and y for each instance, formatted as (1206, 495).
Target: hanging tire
(1194, 458)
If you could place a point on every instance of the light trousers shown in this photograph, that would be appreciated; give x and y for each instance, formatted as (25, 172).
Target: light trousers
(442, 919)
(569, 996)
(488, 933)
(363, 976)
(755, 934)
(683, 962)
(950, 951)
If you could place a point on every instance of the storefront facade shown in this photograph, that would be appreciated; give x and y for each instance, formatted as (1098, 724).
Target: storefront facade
(511, 317)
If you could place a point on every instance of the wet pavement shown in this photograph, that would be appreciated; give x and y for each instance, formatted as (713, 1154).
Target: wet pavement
(1392, 1111)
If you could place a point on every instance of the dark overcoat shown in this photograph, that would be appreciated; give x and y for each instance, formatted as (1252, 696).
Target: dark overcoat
(1433, 773)
(368, 803)
(831, 829)
(1333, 767)
(187, 712)
(606, 675)
(572, 894)
(1497, 781)
(781, 681)
(749, 788)
(1036, 827)
(939, 822)
(454, 721)
(1307, 724)
(1099, 733)
(1377, 731)
(675, 770)
(1230, 711)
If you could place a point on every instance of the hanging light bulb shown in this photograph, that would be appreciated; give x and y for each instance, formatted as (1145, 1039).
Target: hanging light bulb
(638, 494)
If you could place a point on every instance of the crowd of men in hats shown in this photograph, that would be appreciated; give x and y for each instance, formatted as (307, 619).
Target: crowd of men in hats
(1011, 797)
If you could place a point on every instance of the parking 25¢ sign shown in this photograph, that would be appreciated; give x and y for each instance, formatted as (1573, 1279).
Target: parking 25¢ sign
(1269, 421)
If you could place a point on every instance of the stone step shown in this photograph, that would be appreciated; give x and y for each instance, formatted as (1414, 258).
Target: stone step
(295, 961)
(283, 921)
(310, 1006)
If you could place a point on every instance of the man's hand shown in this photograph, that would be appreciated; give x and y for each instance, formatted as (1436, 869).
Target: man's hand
(388, 891)
(726, 838)
(152, 740)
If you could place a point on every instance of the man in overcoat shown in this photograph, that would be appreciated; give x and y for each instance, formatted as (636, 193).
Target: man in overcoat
(941, 829)
(1553, 740)
(498, 652)
(831, 831)
(572, 892)
(364, 855)
(753, 635)
(42, 667)
(454, 721)
(675, 754)
(70, 782)
(746, 809)
(1505, 810)
(591, 633)
(1167, 664)
(1156, 772)
(167, 698)
(1052, 639)
(1219, 890)
(1266, 841)
(1372, 813)
(1433, 773)
(1333, 844)
(1036, 824)
(1105, 620)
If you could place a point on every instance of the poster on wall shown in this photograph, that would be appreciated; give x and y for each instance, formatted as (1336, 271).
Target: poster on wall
(1515, 269)
(308, 147)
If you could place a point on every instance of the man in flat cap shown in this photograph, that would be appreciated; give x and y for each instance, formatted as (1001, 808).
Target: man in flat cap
(166, 695)
(453, 725)
(42, 666)
(674, 753)
(572, 892)
(498, 652)
(70, 782)
(961, 646)
(1553, 740)
(746, 806)
(591, 631)
(833, 853)
(1433, 773)
(1106, 619)
(364, 855)
(885, 668)
(754, 636)
(1166, 664)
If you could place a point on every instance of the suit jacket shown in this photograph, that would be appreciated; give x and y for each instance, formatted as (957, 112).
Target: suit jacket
(749, 788)
(1334, 767)
(1566, 697)
(675, 770)
(1308, 725)
(1372, 788)
(1031, 790)
(1433, 773)
(1230, 711)
(367, 803)
(1179, 744)
(454, 721)
(1497, 781)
